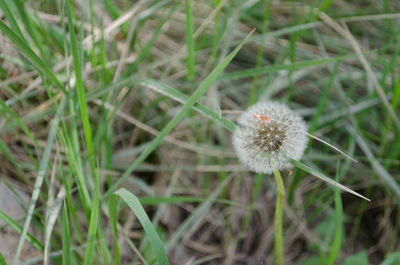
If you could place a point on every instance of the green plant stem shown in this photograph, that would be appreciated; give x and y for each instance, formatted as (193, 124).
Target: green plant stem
(278, 217)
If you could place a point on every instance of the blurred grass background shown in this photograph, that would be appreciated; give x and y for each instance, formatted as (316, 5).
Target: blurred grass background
(98, 95)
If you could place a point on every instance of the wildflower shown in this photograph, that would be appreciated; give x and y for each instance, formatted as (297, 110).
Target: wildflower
(267, 135)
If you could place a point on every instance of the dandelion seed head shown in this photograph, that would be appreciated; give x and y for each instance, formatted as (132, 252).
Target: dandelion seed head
(262, 146)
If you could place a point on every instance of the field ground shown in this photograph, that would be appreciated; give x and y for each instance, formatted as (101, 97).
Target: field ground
(143, 95)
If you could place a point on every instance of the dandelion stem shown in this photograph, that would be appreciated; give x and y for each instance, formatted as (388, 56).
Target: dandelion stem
(278, 217)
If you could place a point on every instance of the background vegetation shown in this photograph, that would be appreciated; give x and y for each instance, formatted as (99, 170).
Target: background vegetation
(100, 95)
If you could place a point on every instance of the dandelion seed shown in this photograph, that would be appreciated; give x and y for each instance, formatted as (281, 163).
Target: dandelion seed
(266, 145)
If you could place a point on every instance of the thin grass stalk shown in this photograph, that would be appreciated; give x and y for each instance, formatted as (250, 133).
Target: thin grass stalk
(278, 218)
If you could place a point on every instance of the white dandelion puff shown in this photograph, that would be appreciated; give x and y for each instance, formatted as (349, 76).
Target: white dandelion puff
(268, 134)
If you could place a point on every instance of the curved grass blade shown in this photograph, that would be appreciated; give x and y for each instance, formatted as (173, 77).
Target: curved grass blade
(37, 62)
(182, 98)
(11, 18)
(389, 180)
(6, 152)
(155, 241)
(324, 178)
(2, 260)
(171, 93)
(27, 21)
(14, 225)
(203, 87)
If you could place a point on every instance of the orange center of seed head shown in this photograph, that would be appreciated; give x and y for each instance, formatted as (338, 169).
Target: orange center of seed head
(264, 119)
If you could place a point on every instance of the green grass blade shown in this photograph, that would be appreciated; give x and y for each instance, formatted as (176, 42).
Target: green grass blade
(148, 45)
(2, 260)
(260, 54)
(26, 20)
(37, 62)
(6, 109)
(14, 225)
(80, 87)
(182, 98)
(74, 162)
(187, 227)
(378, 168)
(6, 152)
(155, 241)
(94, 215)
(324, 178)
(184, 199)
(112, 210)
(66, 243)
(337, 240)
(278, 67)
(323, 99)
(189, 41)
(171, 93)
(67, 183)
(168, 128)
(216, 32)
(359, 258)
(11, 18)
(111, 9)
